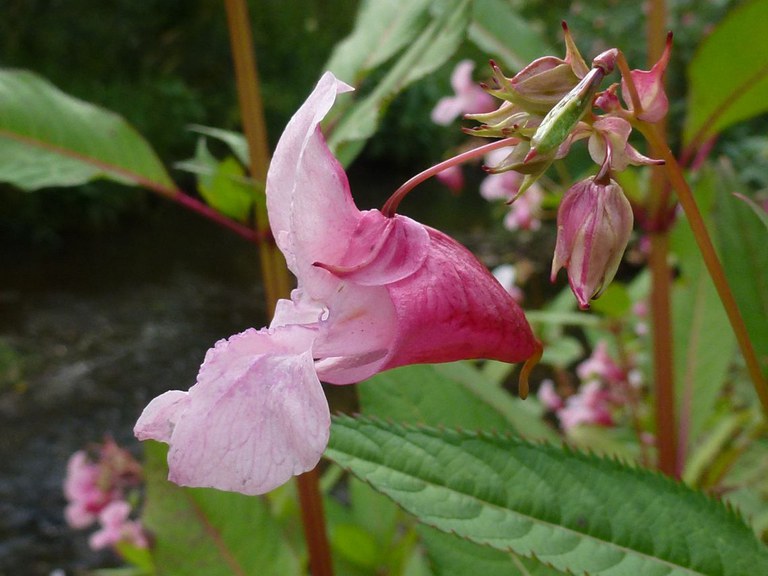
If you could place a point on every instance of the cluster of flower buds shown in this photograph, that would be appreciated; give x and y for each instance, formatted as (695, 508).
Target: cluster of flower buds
(545, 108)
(97, 487)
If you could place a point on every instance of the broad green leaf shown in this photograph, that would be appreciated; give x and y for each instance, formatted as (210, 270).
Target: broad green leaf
(742, 242)
(704, 343)
(456, 395)
(205, 531)
(576, 512)
(455, 556)
(381, 30)
(728, 76)
(428, 51)
(235, 140)
(497, 29)
(614, 302)
(48, 138)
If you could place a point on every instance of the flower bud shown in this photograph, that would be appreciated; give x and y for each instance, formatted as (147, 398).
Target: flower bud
(542, 83)
(594, 223)
(650, 88)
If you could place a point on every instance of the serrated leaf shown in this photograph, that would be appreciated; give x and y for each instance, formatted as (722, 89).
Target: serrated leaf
(428, 51)
(204, 531)
(728, 76)
(497, 29)
(451, 555)
(381, 30)
(48, 138)
(576, 512)
(742, 240)
(454, 394)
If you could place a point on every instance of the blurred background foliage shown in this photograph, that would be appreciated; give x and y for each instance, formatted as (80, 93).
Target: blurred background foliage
(165, 64)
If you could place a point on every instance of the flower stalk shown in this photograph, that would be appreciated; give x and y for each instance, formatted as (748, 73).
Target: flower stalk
(711, 260)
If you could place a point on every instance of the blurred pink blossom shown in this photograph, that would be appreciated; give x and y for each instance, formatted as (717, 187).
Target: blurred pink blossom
(469, 98)
(549, 397)
(590, 405)
(525, 212)
(600, 366)
(116, 527)
(452, 177)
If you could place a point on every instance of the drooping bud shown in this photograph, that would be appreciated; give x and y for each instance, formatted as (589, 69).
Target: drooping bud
(650, 88)
(594, 223)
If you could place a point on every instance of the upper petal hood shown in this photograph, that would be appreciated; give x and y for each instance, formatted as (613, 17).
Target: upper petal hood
(311, 211)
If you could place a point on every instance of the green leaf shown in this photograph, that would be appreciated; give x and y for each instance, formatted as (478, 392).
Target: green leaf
(204, 531)
(576, 512)
(48, 138)
(235, 140)
(497, 29)
(455, 556)
(728, 76)
(742, 241)
(428, 51)
(381, 30)
(756, 208)
(454, 394)
(704, 343)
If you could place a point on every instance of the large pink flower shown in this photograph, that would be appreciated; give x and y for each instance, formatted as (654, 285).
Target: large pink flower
(373, 293)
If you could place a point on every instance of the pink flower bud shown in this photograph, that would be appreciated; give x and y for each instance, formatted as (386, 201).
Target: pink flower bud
(593, 227)
(650, 88)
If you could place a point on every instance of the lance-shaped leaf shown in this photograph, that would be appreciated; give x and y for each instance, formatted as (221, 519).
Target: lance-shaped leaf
(576, 512)
(728, 77)
(436, 42)
(498, 29)
(48, 138)
(204, 531)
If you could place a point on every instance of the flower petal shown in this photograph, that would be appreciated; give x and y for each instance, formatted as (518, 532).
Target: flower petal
(381, 250)
(311, 211)
(256, 416)
(453, 309)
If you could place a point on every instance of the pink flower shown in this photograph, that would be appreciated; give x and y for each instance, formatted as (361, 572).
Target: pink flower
(452, 177)
(601, 366)
(373, 293)
(610, 143)
(594, 223)
(117, 528)
(650, 88)
(469, 97)
(549, 397)
(81, 488)
(590, 405)
(91, 484)
(525, 210)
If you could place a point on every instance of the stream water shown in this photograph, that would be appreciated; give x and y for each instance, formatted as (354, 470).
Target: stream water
(103, 324)
(99, 327)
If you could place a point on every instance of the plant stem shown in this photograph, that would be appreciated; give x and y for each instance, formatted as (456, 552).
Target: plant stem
(203, 209)
(277, 282)
(663, 371)
(711, 260)
(390, 206)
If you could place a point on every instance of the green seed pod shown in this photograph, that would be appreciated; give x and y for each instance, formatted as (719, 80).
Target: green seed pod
(559, 121)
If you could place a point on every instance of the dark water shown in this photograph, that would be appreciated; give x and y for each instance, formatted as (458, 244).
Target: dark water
(97, 328)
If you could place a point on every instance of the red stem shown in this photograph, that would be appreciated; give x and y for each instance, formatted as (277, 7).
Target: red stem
(203, 209)
(390, 206)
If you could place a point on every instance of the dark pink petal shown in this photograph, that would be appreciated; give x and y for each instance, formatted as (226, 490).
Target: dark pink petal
(381, 250)
(453, 309)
